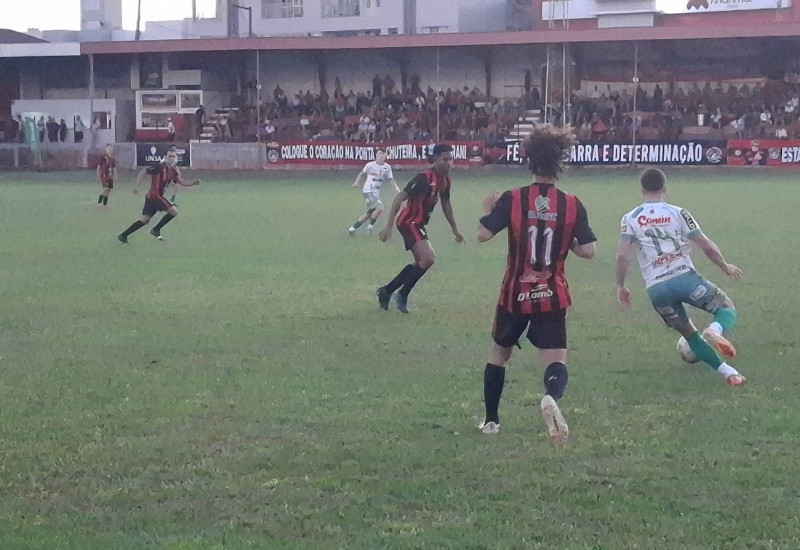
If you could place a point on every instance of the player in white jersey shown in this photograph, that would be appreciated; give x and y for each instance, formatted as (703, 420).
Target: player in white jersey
(372, 177)
(662, 235)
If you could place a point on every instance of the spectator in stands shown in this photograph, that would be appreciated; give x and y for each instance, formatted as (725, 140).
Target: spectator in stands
(599, 127)
(352, 103)
(658, 98)
(200, 119)
(269, 130)
(339, 107)
(363, 128)
(52, 130)
(62, 131)
(765, 121)
(377, 86)
(388, 86)
(78, 129)
(40, 127)
(170, 130)
(20, 129)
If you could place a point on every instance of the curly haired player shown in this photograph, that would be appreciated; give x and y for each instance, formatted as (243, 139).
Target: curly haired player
(544, 225)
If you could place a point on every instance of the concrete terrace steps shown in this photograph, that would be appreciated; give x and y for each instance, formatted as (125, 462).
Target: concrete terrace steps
(207, 134)
(525, 123)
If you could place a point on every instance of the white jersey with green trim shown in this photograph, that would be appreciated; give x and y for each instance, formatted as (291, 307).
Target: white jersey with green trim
(662, 232)
(376, 175)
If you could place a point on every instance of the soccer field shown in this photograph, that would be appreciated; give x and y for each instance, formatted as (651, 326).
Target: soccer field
(236, 386)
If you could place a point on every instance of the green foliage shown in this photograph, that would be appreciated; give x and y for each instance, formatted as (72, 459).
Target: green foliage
(236, 386)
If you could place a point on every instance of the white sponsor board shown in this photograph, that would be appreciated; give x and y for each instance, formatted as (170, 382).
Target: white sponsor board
(590, 9)
(703, 6)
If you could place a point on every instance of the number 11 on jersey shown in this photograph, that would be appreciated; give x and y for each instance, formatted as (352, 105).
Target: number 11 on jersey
(541, 257)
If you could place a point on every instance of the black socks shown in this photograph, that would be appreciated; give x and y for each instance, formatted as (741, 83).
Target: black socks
(494, 378)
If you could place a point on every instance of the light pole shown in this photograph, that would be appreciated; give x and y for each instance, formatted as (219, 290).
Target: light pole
(249, 11)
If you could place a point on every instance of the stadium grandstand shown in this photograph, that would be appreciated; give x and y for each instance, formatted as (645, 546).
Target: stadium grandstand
(361, 72)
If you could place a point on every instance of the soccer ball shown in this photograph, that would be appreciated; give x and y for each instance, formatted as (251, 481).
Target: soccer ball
(685, 351)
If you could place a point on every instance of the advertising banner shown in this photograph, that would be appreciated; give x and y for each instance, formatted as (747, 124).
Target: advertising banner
(149, 154)
(664, 153)
(764, 152)
(410, 153)
(708, 6)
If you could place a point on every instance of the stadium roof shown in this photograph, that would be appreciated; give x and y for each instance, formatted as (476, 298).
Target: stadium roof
(444, 40)
(7, 36)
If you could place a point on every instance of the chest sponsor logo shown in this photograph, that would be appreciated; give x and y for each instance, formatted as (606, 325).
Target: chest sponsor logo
(531, 276)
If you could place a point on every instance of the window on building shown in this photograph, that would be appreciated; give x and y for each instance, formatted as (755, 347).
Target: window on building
(434, 29)
(341, 8)
(276, 9)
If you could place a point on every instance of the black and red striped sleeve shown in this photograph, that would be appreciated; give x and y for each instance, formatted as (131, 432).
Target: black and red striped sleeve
(500, 216)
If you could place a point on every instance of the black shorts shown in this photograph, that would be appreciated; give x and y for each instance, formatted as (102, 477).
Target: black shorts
(108, 183)
(545, 330)
(412, 234)
(151, 206)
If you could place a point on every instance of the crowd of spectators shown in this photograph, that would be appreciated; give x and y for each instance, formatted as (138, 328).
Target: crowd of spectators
(765, 109)
(387, 112)
(750, 108)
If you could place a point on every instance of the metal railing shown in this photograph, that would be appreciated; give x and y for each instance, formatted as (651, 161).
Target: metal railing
(341, 8)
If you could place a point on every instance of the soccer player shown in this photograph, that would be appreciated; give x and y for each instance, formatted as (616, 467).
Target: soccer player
(661, 234)
(544, 224)
(372, 176)
(420, 195)
(106, 173)
(161, 175)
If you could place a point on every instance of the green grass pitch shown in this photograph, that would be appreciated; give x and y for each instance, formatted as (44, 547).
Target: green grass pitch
(236, 386)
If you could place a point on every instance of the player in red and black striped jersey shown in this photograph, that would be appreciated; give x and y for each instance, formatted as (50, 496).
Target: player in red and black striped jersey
(420, 195)
(106, 173)
(161, 175)
(544, 225)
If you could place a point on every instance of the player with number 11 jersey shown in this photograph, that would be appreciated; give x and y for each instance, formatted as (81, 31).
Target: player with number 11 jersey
(544, 225)
(542, 221)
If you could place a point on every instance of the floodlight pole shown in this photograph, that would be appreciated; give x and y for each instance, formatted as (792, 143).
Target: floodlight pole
(92, 132)
(564, 84)
(635, 86)
(547, 84)
(438, 95)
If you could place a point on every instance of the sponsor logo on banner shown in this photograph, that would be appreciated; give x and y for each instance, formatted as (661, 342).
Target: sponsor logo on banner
(714, 155)
(150, 154)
